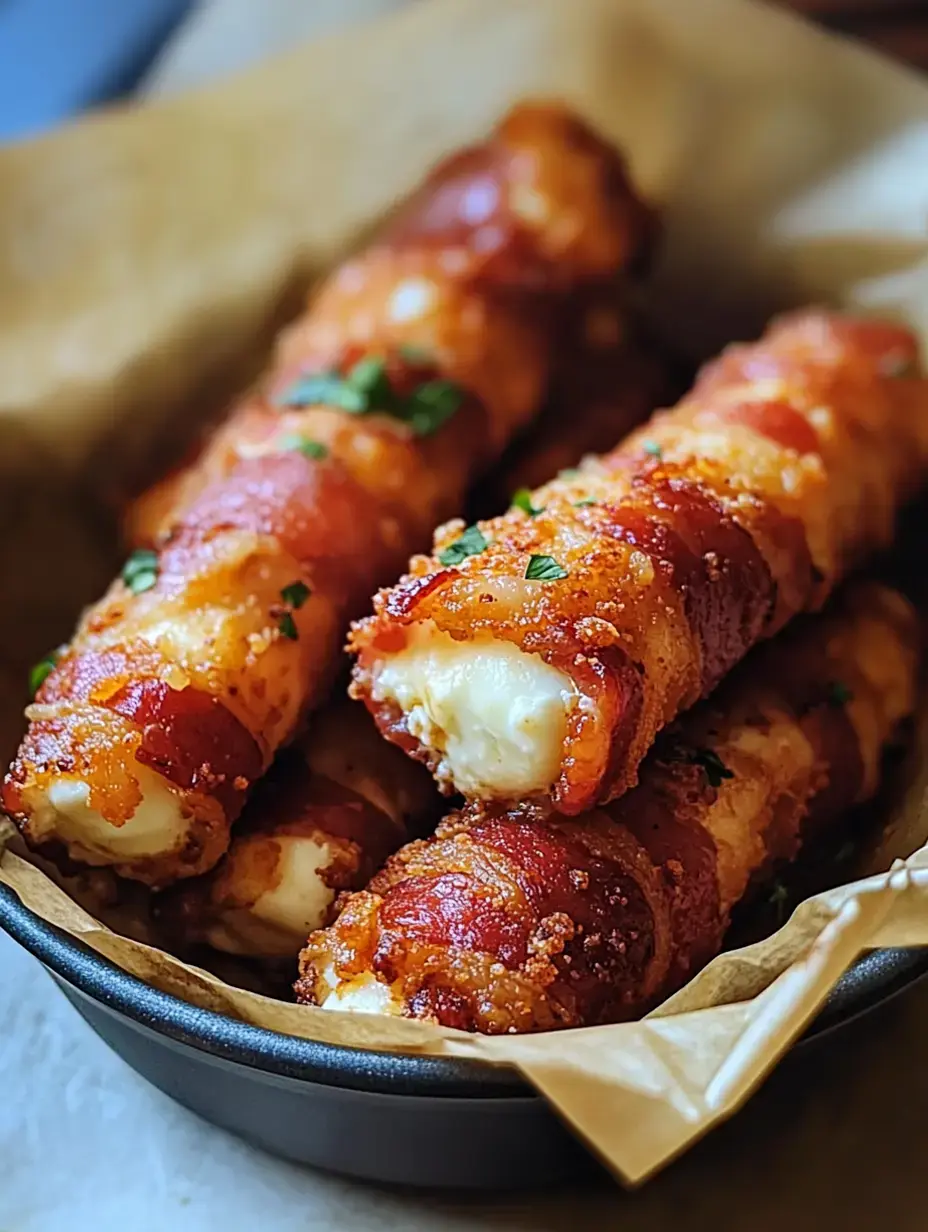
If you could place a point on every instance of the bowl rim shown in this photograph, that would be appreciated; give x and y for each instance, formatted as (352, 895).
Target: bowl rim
(873, 979)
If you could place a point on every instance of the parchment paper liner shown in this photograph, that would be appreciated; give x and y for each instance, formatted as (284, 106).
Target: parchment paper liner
(145, 260)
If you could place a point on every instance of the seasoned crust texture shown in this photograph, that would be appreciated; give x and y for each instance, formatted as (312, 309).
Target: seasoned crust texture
(300, 505)
(509, 921)
(702, 533)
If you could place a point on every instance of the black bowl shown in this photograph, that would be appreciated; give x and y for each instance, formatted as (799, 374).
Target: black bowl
(383, 1116)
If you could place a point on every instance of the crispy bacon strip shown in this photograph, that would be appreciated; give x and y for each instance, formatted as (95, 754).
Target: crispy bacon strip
(632, 588)
(324, 819)
(409, 372)
(509, 921)
(341, 800)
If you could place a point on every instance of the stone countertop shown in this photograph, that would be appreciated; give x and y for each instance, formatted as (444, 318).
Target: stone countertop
(837, 1139)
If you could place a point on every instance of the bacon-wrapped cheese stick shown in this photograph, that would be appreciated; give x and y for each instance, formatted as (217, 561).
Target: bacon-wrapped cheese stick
(301, 840)
(511, 922)
(538, 655)
(324, 819)
(409, 372)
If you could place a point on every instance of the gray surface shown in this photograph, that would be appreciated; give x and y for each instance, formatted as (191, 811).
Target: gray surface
(837, 1142)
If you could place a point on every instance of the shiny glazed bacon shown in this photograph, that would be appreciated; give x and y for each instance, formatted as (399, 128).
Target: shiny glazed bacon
(631, 587)
(411, 369)
(510, 921)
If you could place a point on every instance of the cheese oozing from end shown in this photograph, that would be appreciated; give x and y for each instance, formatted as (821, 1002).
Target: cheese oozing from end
(495, 716)
(158, 826)
(279, 921)
(364, 994)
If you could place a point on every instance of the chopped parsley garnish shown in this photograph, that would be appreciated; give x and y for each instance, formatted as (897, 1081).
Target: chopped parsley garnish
(287, 625)
(838, 693)
(326, 389)
(366, 389)
(544, 569)
(430, 406)
(585, 503)
(653, 448)
(41, 671)
(302, 444)
(140, 572)
(522, 499)
(369, 378)
(711, 763)
(415, 354)
(470, 543)
(295, 595)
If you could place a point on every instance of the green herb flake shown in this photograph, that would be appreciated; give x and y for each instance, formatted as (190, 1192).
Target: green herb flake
(712, 764)
(366, 389)
(295, 595)
(470, 543)
(324, 389)
(294, 443)
(584, 504)
(429, 407)
(652, 448)
(838, 693)
(416, 355)
(368, 378)
(287, 625)
(42, 670)
(140, 572)
(522, 499)
(544, 569)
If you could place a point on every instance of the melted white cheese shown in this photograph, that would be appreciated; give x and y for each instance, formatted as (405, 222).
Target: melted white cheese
(157, 827)
(300, 899)
(277, 924)
(495, 716)
(363, 995)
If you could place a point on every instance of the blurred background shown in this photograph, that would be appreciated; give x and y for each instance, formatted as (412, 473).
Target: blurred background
(59, 58)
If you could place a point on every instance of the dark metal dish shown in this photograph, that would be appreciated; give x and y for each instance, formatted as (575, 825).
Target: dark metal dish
(382, 1116)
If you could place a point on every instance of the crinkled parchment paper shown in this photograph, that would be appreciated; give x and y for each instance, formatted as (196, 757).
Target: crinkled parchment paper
(146, 257)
